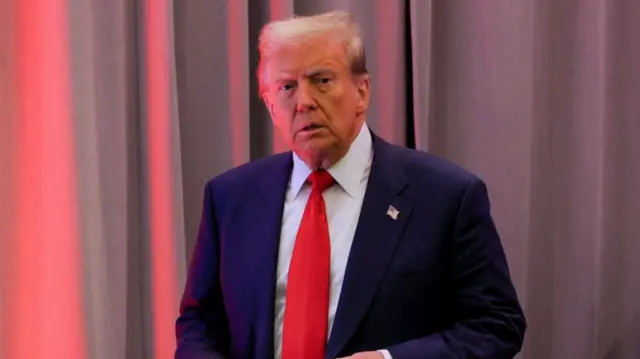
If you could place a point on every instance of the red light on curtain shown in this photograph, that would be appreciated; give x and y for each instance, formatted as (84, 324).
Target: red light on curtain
(158, 87)
(44, 316)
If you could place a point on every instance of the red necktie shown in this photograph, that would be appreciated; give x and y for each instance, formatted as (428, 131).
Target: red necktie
(307, 300)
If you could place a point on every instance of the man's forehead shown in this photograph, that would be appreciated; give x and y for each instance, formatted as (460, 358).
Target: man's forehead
(305, 45)
(280, 72)
(308, 50)
(307, 63)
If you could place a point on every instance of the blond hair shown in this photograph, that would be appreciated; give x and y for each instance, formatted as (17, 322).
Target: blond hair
(298, 29)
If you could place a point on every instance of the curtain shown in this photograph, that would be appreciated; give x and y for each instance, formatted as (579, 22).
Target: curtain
(114, 114)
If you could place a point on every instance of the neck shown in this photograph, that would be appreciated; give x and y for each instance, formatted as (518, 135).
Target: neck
(322, 161)
(330, 156)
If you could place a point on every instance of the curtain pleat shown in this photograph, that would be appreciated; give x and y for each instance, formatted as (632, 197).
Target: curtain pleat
(43, 307)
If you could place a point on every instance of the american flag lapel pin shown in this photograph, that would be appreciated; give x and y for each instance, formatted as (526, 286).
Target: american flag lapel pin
(393, 212)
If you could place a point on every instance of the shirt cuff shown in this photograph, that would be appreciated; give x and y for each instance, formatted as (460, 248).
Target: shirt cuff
(385, 353)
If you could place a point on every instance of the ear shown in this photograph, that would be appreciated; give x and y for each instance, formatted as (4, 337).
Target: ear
(268, 104)
(363, 88)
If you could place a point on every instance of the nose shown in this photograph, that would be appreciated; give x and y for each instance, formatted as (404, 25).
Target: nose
(304, 99)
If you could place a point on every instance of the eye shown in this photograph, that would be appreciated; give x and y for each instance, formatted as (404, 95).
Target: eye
(323, 80)
(285, 87)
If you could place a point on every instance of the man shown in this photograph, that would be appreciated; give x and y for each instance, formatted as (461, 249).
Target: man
(347, 246)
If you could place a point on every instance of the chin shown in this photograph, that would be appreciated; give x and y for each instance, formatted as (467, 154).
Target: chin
(316, 146)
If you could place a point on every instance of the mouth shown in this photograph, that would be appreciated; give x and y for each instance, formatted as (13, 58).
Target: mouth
(311, 127)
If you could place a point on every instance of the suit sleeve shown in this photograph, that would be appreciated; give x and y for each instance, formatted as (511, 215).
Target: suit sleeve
(489, 322)
(202, 326)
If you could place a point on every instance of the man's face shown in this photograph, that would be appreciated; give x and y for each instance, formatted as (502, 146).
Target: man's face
(314, 101)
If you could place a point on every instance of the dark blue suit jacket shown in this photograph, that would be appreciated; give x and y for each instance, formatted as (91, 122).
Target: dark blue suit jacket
(432, 284)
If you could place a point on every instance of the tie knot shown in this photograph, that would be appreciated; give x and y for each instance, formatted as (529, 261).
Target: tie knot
(320, 180)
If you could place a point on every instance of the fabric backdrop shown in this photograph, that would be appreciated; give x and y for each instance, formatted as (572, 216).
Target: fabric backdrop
(115, 113)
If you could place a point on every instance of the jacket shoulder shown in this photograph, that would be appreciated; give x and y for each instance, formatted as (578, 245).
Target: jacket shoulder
(421, 166)
(240, 181)
(249, 172)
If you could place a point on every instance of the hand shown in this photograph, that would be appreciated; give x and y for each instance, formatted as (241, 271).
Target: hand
(365, 355)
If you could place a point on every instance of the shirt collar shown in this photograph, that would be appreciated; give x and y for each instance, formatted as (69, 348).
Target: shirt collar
(347, 171)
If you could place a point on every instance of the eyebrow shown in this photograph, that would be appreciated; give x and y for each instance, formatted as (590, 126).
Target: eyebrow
(288, 77)
(319, 71)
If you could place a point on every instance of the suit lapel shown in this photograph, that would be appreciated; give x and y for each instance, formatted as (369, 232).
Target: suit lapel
(374, 243)
(262, 221)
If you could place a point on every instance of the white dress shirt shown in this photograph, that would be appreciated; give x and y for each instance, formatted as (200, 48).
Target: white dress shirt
(343, 203)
